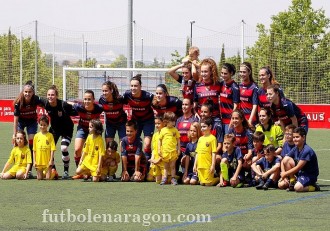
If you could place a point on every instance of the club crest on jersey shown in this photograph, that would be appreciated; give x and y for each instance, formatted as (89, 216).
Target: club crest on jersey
(207, 144)
(47, 142)
(22, 156)
(96, 148)
(59, 113)
(184, 125)
(174, 134)
(242, 91)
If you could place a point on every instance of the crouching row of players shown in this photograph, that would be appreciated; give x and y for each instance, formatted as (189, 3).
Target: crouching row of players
(97, 162)
(296, 169)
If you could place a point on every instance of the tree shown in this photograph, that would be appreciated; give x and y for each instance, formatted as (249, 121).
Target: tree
(176, 59)
(120, 62)
(292, 46)
(157, 64)
(222, 57)
(235, 60)
(188, 45)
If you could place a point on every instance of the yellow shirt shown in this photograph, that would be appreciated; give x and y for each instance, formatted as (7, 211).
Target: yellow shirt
(93, 149)
(43, 144)
(154, 144)
(205, 147)
(106, 159)
(169, 138)
(273, 136)
(20, 156)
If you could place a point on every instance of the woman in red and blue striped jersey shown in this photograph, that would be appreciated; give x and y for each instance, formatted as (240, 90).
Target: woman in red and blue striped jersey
(140, 102)
(229, 95)
(248, 94)
(113, 106)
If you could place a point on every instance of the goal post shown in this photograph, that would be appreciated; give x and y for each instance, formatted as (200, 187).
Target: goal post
(76, 80)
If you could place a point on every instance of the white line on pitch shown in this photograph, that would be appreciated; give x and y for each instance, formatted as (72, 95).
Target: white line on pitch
(323, 180)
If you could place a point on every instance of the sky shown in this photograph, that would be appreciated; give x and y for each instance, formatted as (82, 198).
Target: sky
(167, 17)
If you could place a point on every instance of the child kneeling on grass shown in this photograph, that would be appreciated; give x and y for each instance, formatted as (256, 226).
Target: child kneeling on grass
(110, 162)
(231, 164)
(93, 151)
(267, 168)
(20, 157)
(302, 162)
(205, 158)
(133, 159)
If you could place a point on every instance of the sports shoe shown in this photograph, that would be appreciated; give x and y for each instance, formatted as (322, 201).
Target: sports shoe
(291, 186)
(164, 181)
(86, 178)
(317, 187)
(110, 179)
(174, 181)
(54, 175)
(77, 177)
(30, 175)
(65, 176)
(225, 183)
(239, 185)
(265, 186)
(261, 184)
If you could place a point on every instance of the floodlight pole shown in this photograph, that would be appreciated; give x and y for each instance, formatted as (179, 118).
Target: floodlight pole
(191, 36)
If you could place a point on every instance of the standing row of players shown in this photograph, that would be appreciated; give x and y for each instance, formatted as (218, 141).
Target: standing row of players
(143, 103)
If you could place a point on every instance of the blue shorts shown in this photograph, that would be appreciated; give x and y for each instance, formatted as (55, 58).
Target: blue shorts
(81, 133)
(31, 126)
(148, 127)
(306, 180)
(231, 173)
(110, 130)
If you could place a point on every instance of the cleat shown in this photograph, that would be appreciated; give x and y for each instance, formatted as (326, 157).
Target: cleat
(110, 179)
(265, 186)
(54, 175)
(86, 178)
(30, 175)
(164, 181)
(65, 176)
(174, 181)
(260, 185)
(225, 183)
(317, 187)
(77, 177)
(291, 186)
(239, 185)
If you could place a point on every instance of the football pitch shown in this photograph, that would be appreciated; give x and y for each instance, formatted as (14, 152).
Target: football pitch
(78, 205)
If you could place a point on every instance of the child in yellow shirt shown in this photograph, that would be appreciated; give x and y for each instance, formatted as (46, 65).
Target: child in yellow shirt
(110, 162)
(20, 157)
(169, 147)
(157, 166)
(205, 159)
(43, 150)
(93, 151)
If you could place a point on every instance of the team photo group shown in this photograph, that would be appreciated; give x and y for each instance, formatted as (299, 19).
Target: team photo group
(218, 133)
